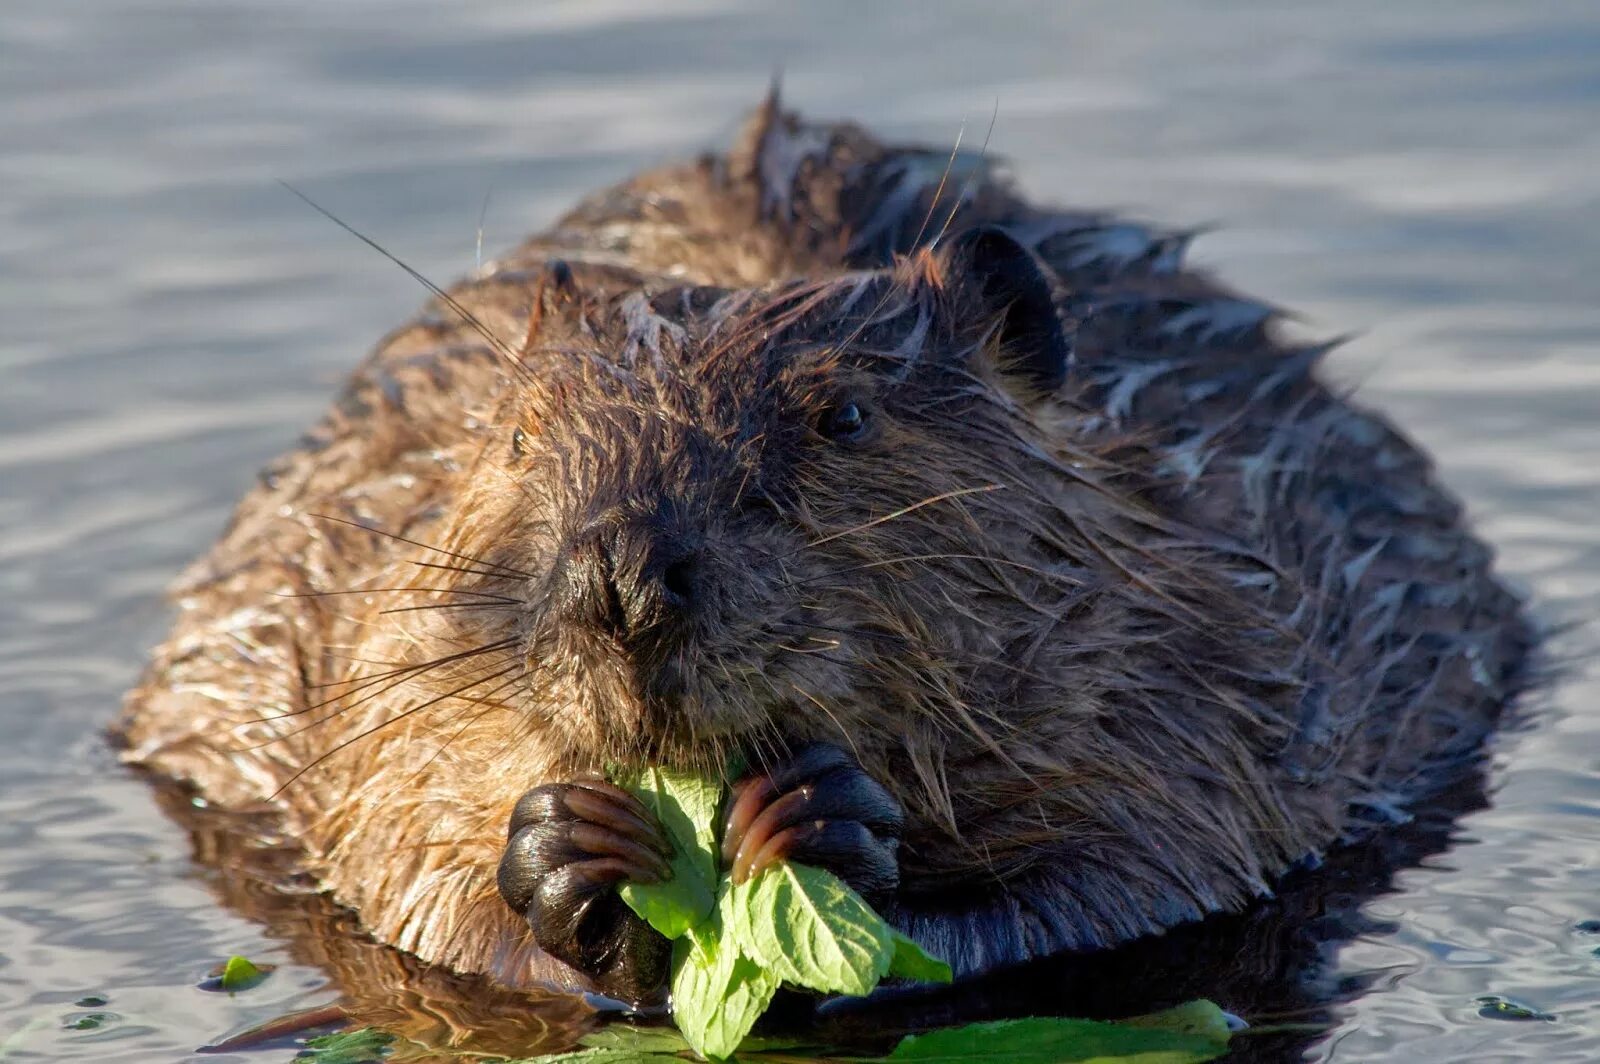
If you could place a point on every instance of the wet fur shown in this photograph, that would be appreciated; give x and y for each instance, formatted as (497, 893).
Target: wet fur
(1127, 650)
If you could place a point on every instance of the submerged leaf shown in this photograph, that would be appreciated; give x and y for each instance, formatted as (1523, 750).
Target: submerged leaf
(361, 1046)
(686, 805)
(1043, 1040)
(808, 928)
(1201, 1018)
(635, 1039)
(600, 1055)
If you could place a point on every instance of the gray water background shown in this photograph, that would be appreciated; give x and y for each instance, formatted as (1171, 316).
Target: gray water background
(1426, 174)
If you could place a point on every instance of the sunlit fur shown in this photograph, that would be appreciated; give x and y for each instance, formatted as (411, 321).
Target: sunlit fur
(1126, 651)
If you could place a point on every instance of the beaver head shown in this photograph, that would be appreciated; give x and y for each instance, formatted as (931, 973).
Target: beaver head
(762, 514)
(867, 510)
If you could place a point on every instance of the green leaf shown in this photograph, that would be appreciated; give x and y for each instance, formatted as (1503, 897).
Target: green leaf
(239, 974)
(686, 805)
(636, 1039)
(1057, 1041)
(788, 1045)
(600, 1055)
(1200, 1018)
(911, 961)
(717, 993)
(361, 1046)
(806, 927)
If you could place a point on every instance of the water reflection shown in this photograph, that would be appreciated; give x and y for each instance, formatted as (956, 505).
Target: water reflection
(169, 319)
(1272, 965)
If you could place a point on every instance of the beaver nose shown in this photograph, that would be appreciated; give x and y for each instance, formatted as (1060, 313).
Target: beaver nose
(631, 580)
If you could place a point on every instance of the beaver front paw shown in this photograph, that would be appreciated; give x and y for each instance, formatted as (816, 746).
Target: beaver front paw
(569, 845)
(818, 808)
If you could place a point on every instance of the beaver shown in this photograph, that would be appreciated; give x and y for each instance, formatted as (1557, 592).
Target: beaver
(1048, 595)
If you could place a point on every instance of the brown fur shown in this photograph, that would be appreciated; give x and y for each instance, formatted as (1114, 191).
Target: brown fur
(1126, 651)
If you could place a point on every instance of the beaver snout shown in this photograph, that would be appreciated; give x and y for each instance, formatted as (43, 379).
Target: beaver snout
(635, 581)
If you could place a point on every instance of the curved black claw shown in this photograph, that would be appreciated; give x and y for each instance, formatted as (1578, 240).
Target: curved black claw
(568, 846)
(818, 808)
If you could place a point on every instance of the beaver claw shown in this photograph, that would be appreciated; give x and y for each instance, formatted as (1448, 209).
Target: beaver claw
(568, 846)
(818, 808)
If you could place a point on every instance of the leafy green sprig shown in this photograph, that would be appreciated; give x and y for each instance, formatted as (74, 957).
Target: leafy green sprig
(735, 944)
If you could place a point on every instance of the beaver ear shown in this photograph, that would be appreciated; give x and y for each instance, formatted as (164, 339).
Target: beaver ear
(1009, 282)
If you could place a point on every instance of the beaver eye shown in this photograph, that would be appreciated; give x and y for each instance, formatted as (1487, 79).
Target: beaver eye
(844, 422)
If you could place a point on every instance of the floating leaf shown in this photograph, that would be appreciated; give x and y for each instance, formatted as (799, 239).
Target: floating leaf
(1200, 1018)
(686, 805)
(1057, 1041)
(361, 1046)
(89, 1021)
(600, 1055)
(911, 961)
(718, 994)
(238, 973)
(806, 927)
(635, 1039)
(1499, 1008)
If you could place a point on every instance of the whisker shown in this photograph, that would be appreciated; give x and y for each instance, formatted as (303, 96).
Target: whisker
(483, 212)
(966, 188)
(470, 571)
(938, 192)
(814, 700)
(903, 511)
(424, 546)
(488, 707)
(865, 633)
(987, 559)
(418, 668)
(933, 205)
(498, 345)
(340, 710)
(392, 590)
(501, 605)
(384, 724)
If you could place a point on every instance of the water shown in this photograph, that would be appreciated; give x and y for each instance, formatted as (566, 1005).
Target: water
(1425, 174)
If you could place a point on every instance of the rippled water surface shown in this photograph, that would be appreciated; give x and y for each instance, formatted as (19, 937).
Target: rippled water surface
(1426, 175)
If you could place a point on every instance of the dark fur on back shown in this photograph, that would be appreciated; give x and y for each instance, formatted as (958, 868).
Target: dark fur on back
(1130, 610)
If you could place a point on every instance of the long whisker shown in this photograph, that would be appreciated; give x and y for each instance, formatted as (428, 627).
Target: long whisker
(504, 604)
(966, 188)
(903, 511)
(343, 709)
(392, 590)
(406, 671)
(469, 571)
(424, 546)
(384, 724)
(933, 205)
(488, 707)
(985, 558)
(938, 192)
(814, 700)
(500, 346)
(863, 633)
